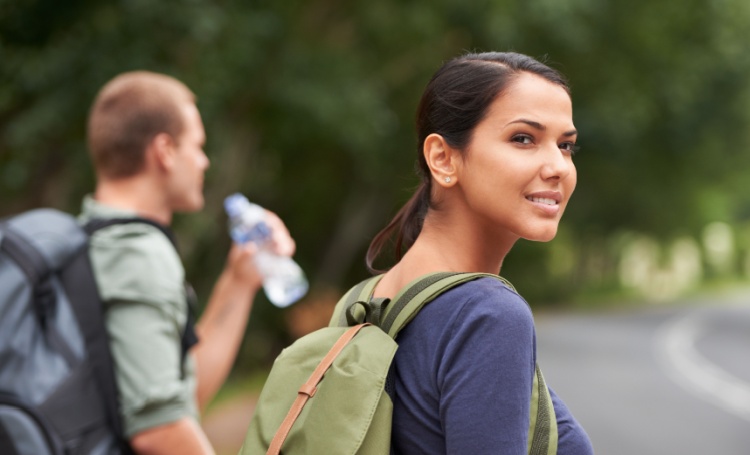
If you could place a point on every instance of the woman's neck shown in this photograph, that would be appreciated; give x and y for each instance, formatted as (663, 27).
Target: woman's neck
(454, 246)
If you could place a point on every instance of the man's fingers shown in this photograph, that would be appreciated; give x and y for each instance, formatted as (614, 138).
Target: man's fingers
(283, 243)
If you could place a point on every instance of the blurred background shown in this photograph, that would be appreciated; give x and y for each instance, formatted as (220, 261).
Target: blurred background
(309, 109)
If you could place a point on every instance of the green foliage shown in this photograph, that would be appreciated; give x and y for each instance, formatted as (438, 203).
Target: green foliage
(309, 109)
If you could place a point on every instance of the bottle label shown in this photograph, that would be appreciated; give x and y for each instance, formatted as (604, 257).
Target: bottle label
(258, 234)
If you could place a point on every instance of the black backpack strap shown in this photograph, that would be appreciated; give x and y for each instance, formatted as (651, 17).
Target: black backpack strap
(96, 224)
(189, 335)
(6, 442)
(30, 261)
(82, 291)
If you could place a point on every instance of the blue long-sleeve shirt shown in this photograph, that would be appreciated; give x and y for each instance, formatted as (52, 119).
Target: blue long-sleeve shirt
(463, 376)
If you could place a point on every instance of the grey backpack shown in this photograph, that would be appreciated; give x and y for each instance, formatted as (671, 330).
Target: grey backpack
(57, 388)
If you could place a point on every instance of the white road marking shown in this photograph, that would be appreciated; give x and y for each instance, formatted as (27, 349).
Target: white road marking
(677, 354)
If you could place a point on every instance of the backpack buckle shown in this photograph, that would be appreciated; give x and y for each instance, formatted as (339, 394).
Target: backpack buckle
(45, 301)
(371, 311)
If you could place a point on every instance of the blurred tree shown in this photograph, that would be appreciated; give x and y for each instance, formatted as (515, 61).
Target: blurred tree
(309, 108)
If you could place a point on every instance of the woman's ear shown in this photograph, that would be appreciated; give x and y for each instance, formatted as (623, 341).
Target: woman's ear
(442, 159)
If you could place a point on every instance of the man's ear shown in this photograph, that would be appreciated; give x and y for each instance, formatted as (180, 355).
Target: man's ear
(161, 151)
(442, 159)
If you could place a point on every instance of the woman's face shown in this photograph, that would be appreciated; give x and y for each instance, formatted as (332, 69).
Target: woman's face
(517, 173)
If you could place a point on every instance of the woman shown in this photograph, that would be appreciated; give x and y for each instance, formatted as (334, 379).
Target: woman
(496, 145)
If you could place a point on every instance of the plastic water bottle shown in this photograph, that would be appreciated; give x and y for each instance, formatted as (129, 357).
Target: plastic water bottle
(284, 281)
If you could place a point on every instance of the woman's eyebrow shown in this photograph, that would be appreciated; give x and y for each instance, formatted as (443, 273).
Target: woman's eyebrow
(531, 123)
(540, 127)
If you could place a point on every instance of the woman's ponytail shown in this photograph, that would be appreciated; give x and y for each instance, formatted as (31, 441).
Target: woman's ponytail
(403, 228)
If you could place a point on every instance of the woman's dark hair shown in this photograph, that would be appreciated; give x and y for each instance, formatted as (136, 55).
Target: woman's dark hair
(454, 102)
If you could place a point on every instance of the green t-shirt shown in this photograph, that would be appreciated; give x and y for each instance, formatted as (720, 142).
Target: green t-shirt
(140, 279)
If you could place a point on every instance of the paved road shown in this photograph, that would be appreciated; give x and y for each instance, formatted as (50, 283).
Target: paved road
(660, 380)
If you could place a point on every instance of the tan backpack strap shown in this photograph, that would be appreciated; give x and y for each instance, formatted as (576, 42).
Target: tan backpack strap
(307, 390)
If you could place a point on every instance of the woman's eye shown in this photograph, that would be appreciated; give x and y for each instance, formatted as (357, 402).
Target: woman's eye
(523, 139)
(570, 147)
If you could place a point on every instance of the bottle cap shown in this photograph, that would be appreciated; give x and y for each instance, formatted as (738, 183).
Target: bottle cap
(235, 203)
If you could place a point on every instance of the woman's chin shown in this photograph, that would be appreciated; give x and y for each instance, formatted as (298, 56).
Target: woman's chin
(544, 235)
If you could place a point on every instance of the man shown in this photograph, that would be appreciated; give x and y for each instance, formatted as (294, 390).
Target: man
(146, 140)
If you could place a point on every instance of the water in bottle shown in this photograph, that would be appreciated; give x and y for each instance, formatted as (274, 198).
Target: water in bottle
(283, 280)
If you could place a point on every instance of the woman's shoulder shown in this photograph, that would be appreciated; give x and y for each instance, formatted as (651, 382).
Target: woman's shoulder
(491, 296)
(491, 285)
(483, 304)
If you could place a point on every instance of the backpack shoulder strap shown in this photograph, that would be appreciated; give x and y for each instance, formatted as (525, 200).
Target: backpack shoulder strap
(30, 261)
(417, 294)
(543, 425)
(86, 305)
(96, 224)
(357, 305)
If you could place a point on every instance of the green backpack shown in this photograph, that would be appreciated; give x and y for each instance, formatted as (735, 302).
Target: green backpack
(325, 393)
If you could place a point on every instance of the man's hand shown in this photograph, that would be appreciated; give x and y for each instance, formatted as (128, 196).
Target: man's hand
(240, 259)
(240, 265)
(224, 320)
(283, 243)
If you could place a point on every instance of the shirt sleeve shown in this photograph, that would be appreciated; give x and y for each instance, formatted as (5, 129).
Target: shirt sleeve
(147, 365)
(572, 438)
(140, 278)
(486, 374)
